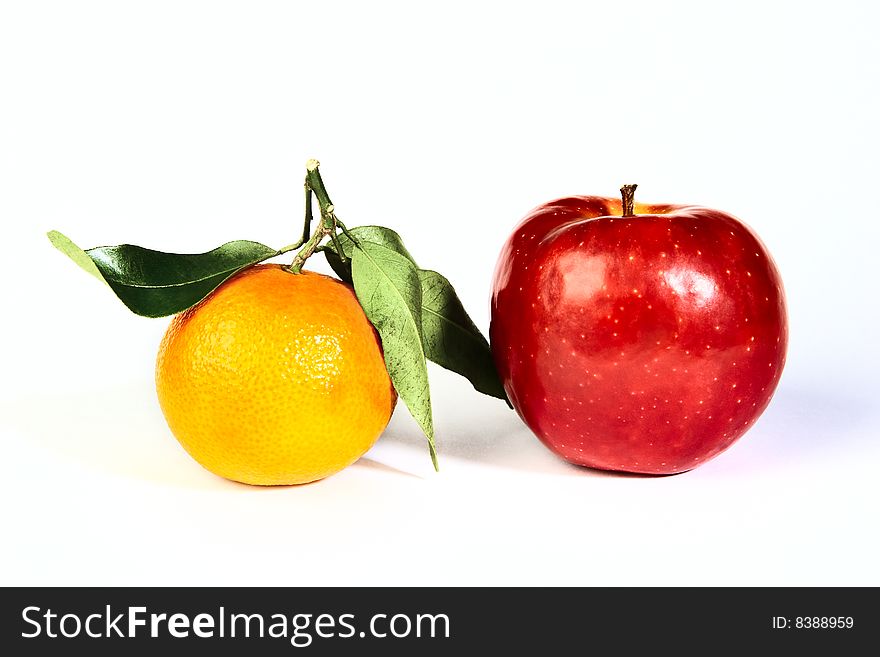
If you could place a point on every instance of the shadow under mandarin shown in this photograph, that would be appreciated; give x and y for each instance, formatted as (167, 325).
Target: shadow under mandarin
(119, 430)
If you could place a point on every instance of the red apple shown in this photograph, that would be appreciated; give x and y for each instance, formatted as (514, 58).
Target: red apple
(640, 342)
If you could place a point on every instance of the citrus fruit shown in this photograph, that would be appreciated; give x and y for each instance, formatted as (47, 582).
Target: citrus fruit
(274, 378)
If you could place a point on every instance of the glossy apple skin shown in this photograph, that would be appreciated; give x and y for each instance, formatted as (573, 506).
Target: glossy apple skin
(643, 344)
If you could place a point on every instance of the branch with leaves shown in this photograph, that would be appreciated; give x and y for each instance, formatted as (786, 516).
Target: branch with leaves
(416, 312)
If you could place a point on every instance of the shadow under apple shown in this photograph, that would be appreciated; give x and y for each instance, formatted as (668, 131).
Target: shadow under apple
(801, 426)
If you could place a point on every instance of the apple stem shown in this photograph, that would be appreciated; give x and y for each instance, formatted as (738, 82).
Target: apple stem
(628, 195)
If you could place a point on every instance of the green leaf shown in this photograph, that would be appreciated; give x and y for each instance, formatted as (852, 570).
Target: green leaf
(388, 288)
(376, 234)
(156, 284)
(452, 340)
(72, 251)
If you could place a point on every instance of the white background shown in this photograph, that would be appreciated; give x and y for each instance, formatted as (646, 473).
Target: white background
(181, 125)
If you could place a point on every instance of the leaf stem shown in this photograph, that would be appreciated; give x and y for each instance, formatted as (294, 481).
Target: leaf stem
(337, 246)
(346, 233)
(290, 247)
